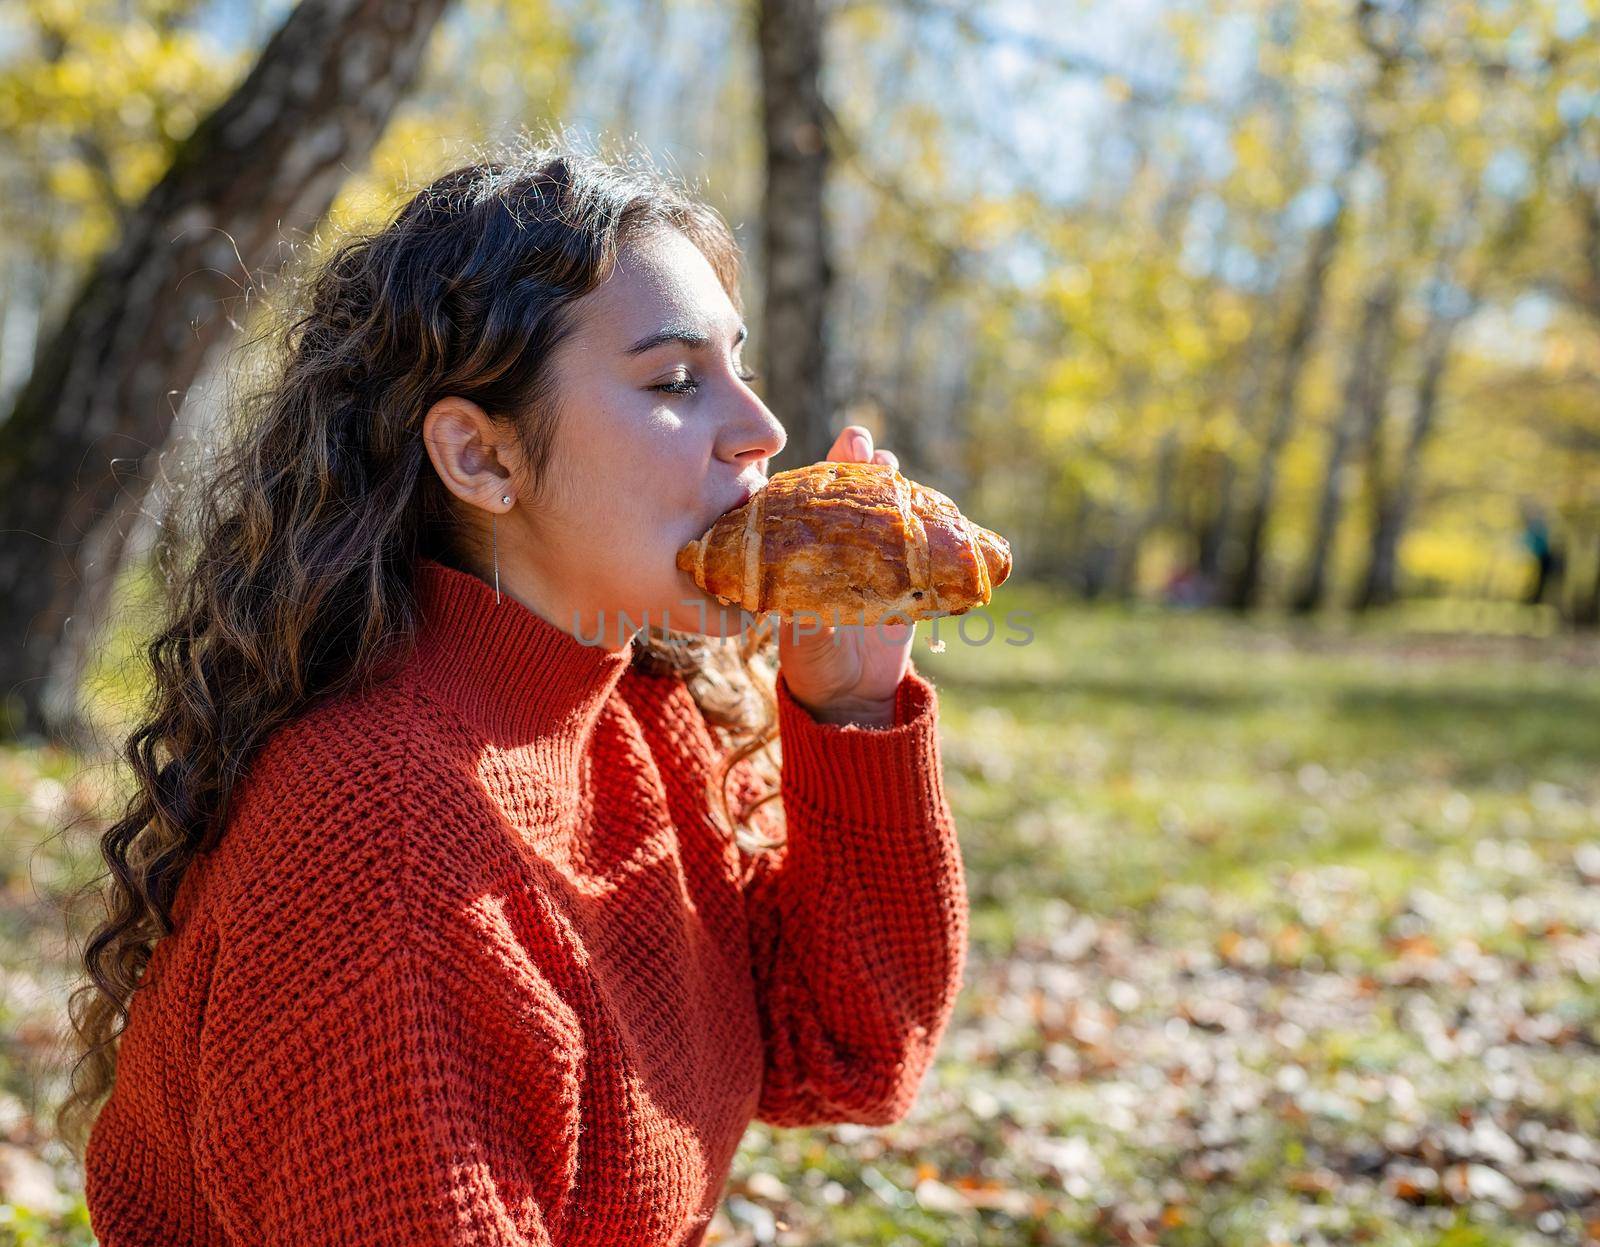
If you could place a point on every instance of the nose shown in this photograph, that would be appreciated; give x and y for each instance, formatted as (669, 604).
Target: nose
(751, 432)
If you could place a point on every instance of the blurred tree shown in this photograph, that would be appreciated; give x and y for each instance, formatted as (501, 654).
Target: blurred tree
(915, 286)
(1473, 125)
(1366, 377)
(1174, 332)
(1576, 189)
(1365, 391)
(94, 101)
(1371, 87)
(1065, 265)
(154, 311)
(1393, 500)
(1286, 369)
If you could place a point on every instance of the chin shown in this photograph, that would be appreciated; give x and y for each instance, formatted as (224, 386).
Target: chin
(695, 611)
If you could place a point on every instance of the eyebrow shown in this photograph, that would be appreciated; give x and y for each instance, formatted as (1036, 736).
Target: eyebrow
(677, 333)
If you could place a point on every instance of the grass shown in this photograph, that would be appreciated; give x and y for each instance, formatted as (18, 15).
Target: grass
(1282, 932)
(1129, 752)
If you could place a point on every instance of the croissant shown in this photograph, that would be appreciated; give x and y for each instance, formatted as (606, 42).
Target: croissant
(854, 543)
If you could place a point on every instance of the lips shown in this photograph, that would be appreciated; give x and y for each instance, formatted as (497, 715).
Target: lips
(747, 491)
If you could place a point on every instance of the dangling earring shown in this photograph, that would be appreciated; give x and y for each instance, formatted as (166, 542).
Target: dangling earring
(494, 542)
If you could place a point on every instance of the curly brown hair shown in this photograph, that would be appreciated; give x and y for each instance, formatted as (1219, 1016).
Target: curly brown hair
(289, 576)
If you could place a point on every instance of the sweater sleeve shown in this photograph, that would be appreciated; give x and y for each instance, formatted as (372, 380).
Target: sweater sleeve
(366, 1081)
(858, 925)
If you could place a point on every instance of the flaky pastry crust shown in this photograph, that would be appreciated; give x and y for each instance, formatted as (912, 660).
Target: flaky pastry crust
(852, 543)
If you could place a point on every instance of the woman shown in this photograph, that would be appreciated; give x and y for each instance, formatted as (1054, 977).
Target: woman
(440, 927)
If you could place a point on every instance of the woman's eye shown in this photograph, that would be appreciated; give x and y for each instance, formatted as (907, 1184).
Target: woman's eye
(688, 385)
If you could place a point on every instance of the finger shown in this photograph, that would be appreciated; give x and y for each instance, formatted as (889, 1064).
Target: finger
(888, 457)
(853, 445)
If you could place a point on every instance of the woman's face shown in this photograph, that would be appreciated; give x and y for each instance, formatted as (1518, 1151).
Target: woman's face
(657, 433)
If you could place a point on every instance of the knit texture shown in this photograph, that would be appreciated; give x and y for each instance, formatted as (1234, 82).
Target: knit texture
(474, 962)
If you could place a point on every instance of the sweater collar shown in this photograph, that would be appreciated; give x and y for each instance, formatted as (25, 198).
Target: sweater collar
(505, 668)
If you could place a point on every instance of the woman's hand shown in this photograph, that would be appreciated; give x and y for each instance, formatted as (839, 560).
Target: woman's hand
(847, 674)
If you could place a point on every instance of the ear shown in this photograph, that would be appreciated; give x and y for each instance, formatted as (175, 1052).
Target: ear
(475, 457)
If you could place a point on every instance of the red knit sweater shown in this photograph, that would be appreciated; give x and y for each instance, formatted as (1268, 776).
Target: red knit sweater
(474, 964)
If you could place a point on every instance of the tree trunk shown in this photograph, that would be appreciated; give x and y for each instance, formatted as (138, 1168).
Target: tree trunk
(1586, 602)
(1212, 531)
(1216, 540)
(798, 272)
(1125, 576)
(156, 309)
(1366, 385)
(1244, 588)
(1056, 535)
(1393, 504)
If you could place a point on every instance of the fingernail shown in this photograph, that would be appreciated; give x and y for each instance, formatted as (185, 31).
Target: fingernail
(863, 447)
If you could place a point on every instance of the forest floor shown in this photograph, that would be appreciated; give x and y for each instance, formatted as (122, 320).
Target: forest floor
(1280, 934)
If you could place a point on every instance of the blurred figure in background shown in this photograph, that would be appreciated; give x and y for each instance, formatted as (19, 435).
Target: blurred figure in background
(1546, 552)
